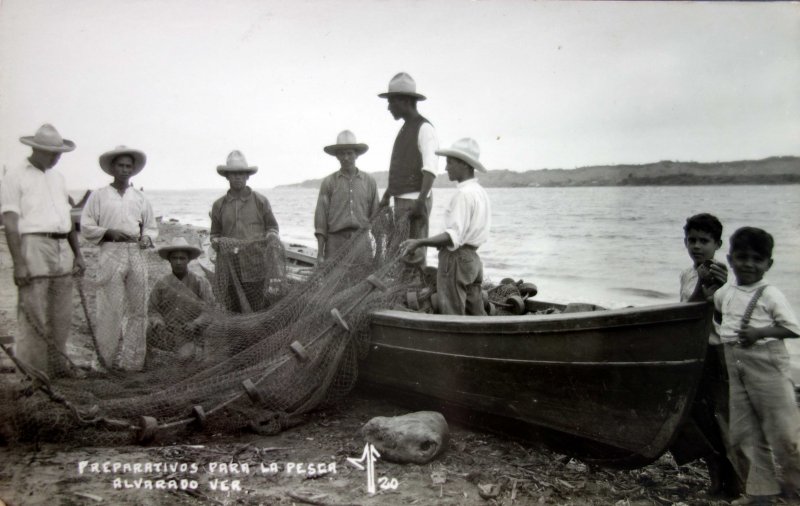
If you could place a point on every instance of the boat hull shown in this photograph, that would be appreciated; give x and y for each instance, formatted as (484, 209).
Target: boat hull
(607, 386)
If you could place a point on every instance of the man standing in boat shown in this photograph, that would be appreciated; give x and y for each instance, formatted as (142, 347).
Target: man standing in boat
(347, 199)
(467, 222)
(244, 233)
(120, 219)
(413, 165)
(44, 248)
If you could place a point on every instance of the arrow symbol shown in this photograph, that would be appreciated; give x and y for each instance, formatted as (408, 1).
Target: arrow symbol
(370, 454)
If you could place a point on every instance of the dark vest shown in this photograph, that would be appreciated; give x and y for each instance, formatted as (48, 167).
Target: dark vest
(405, 169)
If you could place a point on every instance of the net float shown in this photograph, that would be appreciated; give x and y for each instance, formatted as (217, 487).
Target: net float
(199, 415)
(337, 316)
(252, 392)
(377, 283)
(412, 300)
(148, 427)
(300, 350)
(528, 289)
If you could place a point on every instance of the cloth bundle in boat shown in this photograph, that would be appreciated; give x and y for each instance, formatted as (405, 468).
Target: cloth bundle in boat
(266, 351)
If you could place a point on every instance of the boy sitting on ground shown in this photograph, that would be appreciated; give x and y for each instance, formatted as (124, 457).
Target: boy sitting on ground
(177, 304)
(753, 320)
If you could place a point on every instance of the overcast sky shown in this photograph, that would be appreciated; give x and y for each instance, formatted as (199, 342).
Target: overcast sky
(537, 84)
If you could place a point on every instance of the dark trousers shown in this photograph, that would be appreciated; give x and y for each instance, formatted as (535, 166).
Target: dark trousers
(418, 226)
(458, 282)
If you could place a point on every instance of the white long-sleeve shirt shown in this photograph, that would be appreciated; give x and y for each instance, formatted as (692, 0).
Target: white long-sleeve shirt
(106, 208)
(468, 217)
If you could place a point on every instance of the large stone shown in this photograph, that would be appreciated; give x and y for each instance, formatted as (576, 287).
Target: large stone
(414, 438)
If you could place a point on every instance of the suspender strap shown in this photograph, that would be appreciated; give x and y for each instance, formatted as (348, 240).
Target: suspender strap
(748, 312)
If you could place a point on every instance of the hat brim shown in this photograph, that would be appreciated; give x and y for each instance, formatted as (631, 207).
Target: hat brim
(358, 148)
(193, 251)
(475, 164)
(64, 148)
(139, 160)
(395, 93)
(224, 170)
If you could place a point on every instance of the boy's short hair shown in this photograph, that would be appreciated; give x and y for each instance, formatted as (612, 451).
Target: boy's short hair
(754, 238)
(704, 222)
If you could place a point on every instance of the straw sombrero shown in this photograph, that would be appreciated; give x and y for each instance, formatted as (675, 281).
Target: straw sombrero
(47, 138)
(402, 84)
(466, 150)
(346, 140)
(107, 158)
(236, 162)
(179, 244)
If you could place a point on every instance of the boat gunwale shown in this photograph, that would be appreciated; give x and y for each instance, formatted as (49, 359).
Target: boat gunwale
(550, 323)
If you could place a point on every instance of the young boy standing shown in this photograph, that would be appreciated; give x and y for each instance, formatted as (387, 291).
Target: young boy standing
(755, 319)
(703, 238)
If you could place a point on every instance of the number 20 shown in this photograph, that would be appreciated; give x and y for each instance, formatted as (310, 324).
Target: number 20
(387, 484)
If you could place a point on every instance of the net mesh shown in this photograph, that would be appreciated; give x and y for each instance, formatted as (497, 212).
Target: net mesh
(274, 342)
(268, 349)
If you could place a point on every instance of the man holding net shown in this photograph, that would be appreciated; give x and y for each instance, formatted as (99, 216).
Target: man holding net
(177, 304)
(413, 165)
(244, 233)
(120, 219)
(347, 200)
(44, 248)
(467, 221)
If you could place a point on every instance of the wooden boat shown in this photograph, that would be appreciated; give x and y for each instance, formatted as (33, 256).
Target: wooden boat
(612, 386)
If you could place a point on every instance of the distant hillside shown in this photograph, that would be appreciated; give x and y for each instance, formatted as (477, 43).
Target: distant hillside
(774, 170)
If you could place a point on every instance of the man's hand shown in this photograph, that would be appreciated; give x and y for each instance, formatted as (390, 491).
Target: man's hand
(22, 277)
(198, 324)
(145, 242)
(78, 266)
(749, 335)
(115, 235)
(409, 246)
(157, 323)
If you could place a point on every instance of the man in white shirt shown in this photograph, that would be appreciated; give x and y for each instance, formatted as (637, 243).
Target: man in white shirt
(119, 218)
(44, 248)
(413, 165)
(467, 222)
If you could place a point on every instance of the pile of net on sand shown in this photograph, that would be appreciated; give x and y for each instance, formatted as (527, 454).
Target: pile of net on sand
(291, 347)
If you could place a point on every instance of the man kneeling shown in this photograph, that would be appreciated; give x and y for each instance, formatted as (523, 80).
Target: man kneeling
(177, 305)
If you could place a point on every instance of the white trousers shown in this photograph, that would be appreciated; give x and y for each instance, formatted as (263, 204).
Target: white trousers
(122, 305)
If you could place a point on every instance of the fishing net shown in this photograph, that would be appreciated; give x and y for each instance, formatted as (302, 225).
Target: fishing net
(254, 342)
(270, 347)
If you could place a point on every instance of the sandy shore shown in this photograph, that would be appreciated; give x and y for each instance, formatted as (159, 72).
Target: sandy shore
(278, 468)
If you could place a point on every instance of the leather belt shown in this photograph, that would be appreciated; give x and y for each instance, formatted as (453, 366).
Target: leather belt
(121, 240)
(344, 231)
(50, 235)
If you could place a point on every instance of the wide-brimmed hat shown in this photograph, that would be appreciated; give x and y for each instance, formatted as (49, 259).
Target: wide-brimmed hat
(107, 158)
(402, 84)
(179, 244)
(346, 140)
(466, 150)
(236, 163)
(47, 138)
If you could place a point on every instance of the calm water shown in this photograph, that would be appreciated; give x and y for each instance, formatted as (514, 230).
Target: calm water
(609, 246)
